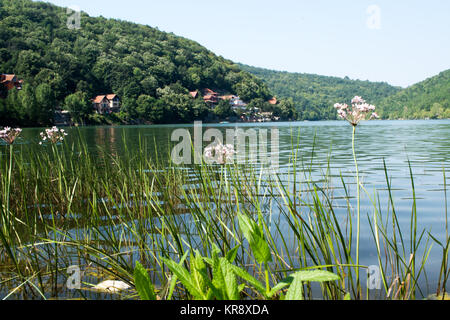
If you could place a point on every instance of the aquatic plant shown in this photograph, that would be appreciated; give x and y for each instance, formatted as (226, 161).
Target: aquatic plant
(358, 111)
(219, 153)
(9, 135)
(53, 135)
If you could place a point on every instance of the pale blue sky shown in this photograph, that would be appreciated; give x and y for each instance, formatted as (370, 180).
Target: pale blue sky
(323, 37)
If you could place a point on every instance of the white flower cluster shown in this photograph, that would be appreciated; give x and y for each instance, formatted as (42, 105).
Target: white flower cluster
(220, 153)
(358, 111)
(9, 135)
(54, 135)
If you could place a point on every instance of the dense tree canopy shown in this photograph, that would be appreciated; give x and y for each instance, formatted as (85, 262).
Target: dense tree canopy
(427, 99)
(314, 96)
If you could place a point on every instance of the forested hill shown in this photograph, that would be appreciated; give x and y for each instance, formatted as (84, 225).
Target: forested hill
(426, 99)
(314, 96)
(151, 71)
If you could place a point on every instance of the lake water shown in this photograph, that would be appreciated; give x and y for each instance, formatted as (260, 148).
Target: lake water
(425, 144)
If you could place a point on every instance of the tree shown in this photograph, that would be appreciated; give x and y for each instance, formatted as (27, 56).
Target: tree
(145, 107)
(45, 105)
(223, 110)
(79, 106)
(25, 104)
(287, 109)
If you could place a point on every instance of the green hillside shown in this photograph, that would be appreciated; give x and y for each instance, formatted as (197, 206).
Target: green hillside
(314, 95)
(426, 99)
(151, 71)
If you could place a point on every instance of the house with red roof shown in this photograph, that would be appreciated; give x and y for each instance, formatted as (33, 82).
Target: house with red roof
(106, 104)
(210, 97)
(10, 81)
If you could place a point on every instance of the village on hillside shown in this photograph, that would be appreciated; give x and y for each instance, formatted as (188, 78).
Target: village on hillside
(110, 103)
(106, 104)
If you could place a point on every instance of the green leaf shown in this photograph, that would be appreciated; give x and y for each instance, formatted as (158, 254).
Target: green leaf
(316, 275)
(143, 283)
(174, 279)
(280, 285)
(218, 278)
(231, 255)
(213, 291)
(224, 279)
(250, 279)
(185, 278)
(198, 269)
(255, 237)
(347, 296)
(295, 291)
(231, 286)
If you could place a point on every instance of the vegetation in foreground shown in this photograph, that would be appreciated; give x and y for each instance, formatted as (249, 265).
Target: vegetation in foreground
(219, 232)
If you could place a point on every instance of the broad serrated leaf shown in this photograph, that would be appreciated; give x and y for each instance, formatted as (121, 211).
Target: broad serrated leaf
(143, 283)
(231, 285)
(295, 291)
(198, 268)
(218, 278)
(213, 291)
(185, 278)
(174, 279)
(280, 285)
(231, 255)
(255, 237)
(250, 279)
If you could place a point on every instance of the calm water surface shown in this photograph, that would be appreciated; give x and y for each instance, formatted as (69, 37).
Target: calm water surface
(425, 144)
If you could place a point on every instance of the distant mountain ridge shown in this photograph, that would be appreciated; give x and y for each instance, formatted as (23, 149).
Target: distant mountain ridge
(427, 99)
(314, 95)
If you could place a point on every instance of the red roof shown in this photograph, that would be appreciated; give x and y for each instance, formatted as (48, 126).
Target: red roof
(99, 99)
(194, 94)
(273, 101)
(209, 91)
(8, 77)
(111, 96)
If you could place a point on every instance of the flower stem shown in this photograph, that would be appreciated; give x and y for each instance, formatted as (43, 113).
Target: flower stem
(6, 217)
(266, 272)
(358, 217)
